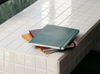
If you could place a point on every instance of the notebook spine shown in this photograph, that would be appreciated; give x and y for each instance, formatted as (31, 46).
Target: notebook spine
(68, 39)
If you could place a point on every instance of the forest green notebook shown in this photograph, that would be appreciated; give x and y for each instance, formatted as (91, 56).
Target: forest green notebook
(56, 37)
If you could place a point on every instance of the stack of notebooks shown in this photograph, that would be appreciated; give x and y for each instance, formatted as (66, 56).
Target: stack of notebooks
(52, 38)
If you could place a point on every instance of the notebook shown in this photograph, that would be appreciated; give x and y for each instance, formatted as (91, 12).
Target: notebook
(34, 32)
(28, 37)
(55, 37)
(73, 43)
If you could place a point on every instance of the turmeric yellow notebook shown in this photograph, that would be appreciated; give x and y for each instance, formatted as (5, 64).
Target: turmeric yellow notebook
(29, 37)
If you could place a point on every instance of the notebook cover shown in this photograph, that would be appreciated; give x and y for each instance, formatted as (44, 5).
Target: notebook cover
(27, 37)
(54, 37)
(34, 32)
(72, 44)
(47, 51)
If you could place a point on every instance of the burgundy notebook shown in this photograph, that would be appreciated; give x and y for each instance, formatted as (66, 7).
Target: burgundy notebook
(34, 32)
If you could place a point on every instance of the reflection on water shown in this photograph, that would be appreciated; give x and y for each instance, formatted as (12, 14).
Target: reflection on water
(12, 7)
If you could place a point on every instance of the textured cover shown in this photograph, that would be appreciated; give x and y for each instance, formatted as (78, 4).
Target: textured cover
(27, 37)
(54, 37)
(34, 32)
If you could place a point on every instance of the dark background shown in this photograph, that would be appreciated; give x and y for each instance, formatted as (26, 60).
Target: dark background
(2, 1)
(89, 65)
